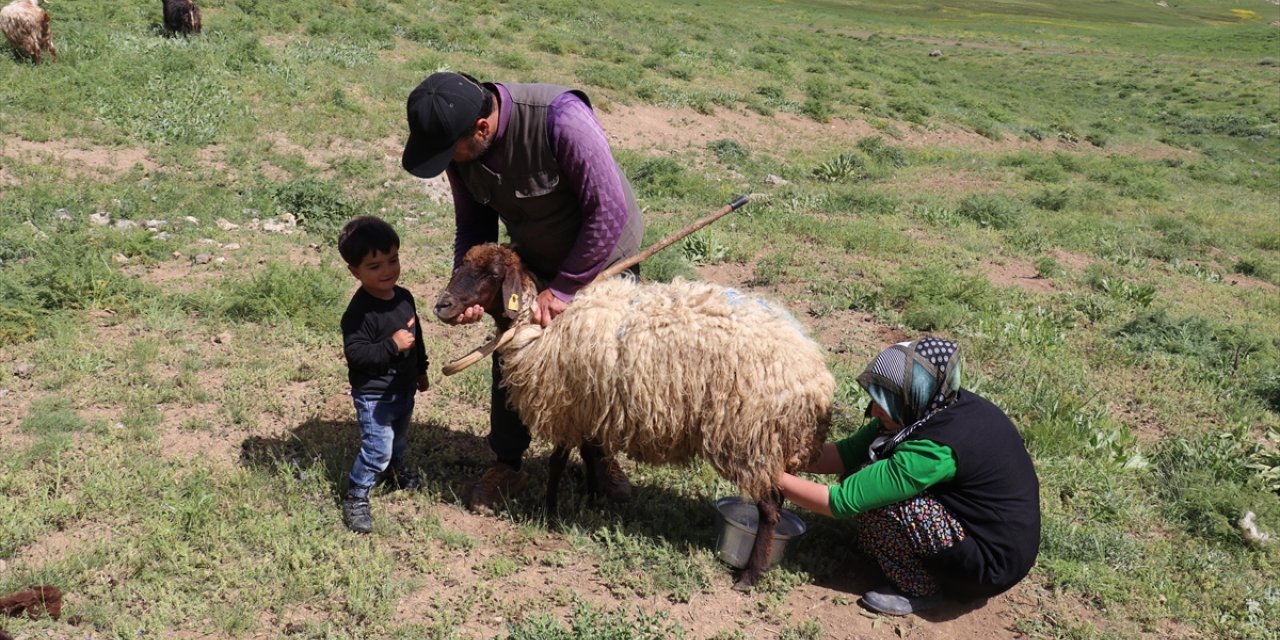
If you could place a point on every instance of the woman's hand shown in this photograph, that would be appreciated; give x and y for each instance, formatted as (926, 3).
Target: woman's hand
(808, 494)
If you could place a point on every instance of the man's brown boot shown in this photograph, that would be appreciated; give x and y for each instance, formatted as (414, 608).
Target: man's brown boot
(605, 475)
(499, 483)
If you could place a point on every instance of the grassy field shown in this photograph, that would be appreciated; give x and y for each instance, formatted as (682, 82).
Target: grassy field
(1085, 195)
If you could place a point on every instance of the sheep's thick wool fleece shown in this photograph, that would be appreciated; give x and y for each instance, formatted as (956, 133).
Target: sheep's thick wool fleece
(26, 26)
(667, 372)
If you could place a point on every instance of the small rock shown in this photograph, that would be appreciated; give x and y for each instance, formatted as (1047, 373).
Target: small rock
(23, 369)
(203, 258)
(62, 214)
(125, 225)
(161, 235)
(120, 258)
(176, 254)
(101, 218)
(231, 246)
(34, 229)
(935, 53)
(4, 566)
(220, 260)
(3, 393)
(207, 241)
(226, 225)
(1162, 4)
(410, 220)
(772, 179)
(253, 224)
(192, 220)
(118, 425)
(315, 246)
(249, 212)
(222, 338)
(154, 225)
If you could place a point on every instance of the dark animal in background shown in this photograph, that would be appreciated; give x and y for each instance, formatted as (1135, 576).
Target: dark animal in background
(181, 17)
(36, 601)
(26, 26)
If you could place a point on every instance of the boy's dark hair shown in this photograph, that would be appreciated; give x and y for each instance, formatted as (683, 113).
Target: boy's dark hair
(365, 235)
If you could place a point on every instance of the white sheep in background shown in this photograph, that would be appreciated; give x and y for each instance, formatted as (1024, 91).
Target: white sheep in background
(26, 26)
(662, 372)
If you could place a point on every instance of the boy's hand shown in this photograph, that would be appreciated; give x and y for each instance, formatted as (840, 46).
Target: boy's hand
(404, 337)
(468, 315)
(423, 384)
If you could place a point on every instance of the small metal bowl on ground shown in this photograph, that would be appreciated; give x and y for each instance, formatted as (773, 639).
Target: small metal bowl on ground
(736, 531)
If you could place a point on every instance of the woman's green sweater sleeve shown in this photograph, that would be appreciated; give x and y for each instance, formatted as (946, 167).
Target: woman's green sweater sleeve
(853, 450)
(914, 466)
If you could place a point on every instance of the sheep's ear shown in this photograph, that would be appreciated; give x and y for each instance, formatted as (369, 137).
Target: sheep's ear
(511, 294)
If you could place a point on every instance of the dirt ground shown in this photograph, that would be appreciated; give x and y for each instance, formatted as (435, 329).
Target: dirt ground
(650, 129)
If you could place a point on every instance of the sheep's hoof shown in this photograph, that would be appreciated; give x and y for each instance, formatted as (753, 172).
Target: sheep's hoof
(743, 586)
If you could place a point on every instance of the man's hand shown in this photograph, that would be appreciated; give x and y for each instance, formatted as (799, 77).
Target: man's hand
(548, 307)
(423, 384)
(468, 315)
(404, 337)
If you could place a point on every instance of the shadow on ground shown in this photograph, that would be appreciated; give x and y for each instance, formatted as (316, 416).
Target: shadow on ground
(450, 461)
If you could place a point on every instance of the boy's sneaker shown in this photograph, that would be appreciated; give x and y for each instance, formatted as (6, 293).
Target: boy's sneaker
(499, 483)
(889, 601)
(404, 478)
(356, 514)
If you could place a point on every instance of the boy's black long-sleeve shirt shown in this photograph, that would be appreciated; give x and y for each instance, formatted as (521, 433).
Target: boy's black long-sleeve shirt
(374, 364)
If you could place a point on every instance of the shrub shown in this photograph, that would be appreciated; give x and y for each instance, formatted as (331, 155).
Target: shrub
(864, 201)
(728, 151)
(320, 206)
(279, 293)
(936, 297)
(883, 153)
(846, 167)
(1052, 199)
(996, 211)
(659, 177)
(51, 415)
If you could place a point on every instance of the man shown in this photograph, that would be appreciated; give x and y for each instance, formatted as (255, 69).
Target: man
(535, 157)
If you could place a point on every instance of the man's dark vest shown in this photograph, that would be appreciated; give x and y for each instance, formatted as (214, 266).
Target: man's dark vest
(995, 494)
(534, 200)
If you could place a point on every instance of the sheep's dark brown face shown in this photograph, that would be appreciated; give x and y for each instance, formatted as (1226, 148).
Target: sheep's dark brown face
(477, 281)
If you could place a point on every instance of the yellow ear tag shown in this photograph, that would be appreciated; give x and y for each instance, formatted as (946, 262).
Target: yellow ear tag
(513, 303)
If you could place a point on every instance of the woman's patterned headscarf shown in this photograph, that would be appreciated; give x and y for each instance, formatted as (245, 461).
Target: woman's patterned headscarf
(912, 381)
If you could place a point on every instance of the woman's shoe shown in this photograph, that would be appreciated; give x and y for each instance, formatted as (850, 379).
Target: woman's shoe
(889, 601)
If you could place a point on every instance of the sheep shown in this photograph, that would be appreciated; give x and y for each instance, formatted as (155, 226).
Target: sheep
(26, 26)
(661, 372)
(181, 17)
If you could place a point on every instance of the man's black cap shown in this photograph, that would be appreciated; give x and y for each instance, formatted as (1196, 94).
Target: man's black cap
(441, 110)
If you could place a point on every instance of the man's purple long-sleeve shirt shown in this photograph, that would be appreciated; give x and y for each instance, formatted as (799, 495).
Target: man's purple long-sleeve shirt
(580, 147)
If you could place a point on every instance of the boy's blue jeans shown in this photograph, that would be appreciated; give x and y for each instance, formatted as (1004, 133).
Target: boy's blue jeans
(384, 435)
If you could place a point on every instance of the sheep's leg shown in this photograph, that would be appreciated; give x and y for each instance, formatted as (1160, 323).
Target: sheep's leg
(555, 468)
(758, 562)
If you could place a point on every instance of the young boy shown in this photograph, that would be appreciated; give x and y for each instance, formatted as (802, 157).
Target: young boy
(386, 362)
